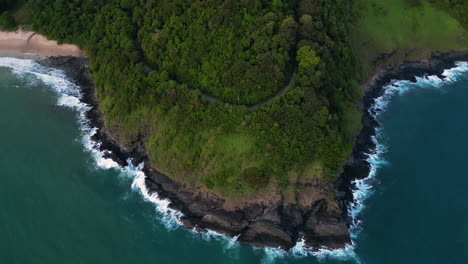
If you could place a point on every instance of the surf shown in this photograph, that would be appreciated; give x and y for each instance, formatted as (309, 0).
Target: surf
(70, 96)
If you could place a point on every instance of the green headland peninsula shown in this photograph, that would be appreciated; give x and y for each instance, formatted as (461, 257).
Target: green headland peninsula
(245, 112)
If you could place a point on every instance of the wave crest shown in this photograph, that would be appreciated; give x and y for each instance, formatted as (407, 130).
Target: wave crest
(70, 96)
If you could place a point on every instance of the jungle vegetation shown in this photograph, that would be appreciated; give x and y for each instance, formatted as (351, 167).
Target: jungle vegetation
(153, 62)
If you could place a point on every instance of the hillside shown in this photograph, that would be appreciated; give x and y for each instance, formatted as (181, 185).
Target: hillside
(245, 100)
(153, 60)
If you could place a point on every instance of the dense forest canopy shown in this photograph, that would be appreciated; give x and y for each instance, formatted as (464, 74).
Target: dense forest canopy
(6, 18)
(8, 4)
(239, 51)
(154, 60)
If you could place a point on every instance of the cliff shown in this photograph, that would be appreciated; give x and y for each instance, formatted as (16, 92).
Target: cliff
(278, 221)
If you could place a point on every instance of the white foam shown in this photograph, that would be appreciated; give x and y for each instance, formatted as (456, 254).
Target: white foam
(363, 187)
(169, 216)
(346, 253)
(300, 250)
(230, 245)
(70, 96)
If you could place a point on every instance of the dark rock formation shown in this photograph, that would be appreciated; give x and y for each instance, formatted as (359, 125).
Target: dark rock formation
(275, 224)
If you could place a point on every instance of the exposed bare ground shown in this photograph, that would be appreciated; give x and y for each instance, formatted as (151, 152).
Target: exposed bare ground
(16, 44)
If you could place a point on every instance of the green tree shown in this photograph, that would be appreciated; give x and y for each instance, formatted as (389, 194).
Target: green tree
(7, 21)
(307, 58)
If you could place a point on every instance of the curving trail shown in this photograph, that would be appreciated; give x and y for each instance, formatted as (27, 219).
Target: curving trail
(280, 92)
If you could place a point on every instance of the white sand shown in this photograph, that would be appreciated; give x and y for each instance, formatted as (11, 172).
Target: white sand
(27, 44)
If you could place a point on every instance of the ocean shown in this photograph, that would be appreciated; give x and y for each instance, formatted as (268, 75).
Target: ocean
(61, 201)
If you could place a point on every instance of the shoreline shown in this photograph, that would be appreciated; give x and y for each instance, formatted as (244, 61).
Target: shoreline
(202, 213)
(232, 223)
(30, 45)
(358, 167)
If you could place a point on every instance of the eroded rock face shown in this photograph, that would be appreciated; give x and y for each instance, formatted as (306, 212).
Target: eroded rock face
(272, 222)
(278, 222)
(264, 233)
(277, 225)
(232, 223)
(327, 231)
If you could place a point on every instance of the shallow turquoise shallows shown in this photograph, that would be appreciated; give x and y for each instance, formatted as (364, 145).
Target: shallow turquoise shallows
(58, 206)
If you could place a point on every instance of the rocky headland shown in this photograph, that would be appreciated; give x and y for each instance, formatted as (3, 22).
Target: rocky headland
(278, 222)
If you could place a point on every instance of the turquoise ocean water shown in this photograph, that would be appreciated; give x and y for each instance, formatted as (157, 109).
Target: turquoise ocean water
(62, 202)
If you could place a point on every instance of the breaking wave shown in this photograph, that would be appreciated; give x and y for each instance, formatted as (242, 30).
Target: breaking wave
(363, 188)
(69, 95)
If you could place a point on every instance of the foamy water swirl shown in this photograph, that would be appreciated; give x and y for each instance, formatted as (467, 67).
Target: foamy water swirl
(70, 96)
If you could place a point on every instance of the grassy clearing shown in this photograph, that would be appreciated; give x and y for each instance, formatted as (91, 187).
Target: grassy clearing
(352, 121)
(403, 31)
(223, 146)
(223, 161)
(234, 144)
(313, 170)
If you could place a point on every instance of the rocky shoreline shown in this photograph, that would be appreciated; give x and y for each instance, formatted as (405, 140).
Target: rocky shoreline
(282, 224)
(357, 166)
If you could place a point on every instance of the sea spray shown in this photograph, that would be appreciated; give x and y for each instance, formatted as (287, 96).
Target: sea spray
(363, 187)
(168, 215)
(70, 96)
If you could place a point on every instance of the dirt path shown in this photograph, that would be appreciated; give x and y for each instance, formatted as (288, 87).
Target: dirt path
(263, 102)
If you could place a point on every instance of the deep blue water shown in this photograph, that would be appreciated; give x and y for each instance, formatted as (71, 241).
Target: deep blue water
(418, 212)
(61, 202)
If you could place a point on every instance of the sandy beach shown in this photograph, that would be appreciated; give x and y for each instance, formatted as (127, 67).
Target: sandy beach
(27, 44)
